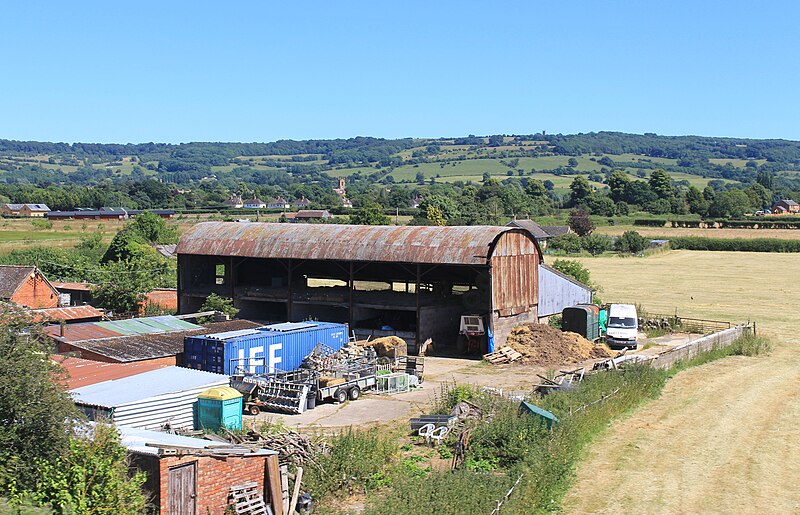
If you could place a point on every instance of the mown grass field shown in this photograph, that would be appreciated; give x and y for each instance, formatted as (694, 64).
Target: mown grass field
(733, 286)
(674, 232)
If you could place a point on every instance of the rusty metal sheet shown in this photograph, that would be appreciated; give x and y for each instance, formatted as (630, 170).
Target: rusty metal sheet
(400, 244)
(66, 313)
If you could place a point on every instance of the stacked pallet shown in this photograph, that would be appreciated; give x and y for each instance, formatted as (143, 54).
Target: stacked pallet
(503, 355)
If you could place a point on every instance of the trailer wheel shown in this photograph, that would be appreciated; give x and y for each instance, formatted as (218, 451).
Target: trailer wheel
(354, 393)
(340, 395)
(253, 409)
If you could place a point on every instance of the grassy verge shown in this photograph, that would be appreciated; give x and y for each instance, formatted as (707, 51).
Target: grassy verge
(504, 447)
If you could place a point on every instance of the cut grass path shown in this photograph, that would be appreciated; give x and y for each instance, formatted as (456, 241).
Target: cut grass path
(723, 437)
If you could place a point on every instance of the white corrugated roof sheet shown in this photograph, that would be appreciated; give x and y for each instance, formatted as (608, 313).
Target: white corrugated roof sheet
(154, 383)
(137, 440)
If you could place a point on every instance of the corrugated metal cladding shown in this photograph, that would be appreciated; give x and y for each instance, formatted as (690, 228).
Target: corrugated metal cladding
(514, 278)
(149, 400)
(558, 291)
(399, 244)
(264, 352)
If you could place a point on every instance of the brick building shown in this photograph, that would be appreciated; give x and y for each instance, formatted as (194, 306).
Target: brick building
(27, 286)
(188, 475)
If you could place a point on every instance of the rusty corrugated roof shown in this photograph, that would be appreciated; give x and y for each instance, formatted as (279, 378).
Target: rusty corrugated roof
(66, 313)
(83, 372)
(400, 244)
(137, 347)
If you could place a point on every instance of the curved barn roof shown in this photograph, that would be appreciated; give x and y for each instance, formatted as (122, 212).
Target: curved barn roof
(400, 244)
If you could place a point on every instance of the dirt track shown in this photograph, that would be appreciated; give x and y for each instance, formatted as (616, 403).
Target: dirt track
(723, 438)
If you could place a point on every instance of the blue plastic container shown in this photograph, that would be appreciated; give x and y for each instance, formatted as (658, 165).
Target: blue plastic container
(277, 347)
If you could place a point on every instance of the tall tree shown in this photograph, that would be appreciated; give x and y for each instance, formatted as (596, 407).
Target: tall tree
(661, 184)
(580, 189)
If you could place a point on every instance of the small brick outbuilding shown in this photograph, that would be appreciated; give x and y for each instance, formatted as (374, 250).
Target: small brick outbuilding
(27, 286)
(189, 475)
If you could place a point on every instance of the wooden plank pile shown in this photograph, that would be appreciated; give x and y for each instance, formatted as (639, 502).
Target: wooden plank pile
(503, 355)
(292, 447)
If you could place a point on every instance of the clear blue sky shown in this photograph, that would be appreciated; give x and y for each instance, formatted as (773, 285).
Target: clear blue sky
(174, 71)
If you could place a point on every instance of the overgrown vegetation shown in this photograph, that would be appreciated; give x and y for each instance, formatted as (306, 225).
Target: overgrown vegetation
(48, 456)
(505, 446)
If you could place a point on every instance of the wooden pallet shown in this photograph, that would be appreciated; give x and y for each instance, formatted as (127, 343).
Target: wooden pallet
(247, 500)
(503, 355)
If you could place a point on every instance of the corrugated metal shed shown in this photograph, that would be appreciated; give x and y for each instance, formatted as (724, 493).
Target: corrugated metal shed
(151, 399)
(400, 244)
(558, 291)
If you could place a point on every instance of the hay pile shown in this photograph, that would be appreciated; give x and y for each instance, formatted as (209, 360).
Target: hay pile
(389, 346)
(544, 345)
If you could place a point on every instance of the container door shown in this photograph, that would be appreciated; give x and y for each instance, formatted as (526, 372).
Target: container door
(182, 488)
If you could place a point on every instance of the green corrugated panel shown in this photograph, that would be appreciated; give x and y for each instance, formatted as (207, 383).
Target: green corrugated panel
(175, 323)
(117, 326)
(159, 327)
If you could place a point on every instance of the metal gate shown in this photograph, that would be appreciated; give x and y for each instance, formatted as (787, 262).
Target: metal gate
(182, 488)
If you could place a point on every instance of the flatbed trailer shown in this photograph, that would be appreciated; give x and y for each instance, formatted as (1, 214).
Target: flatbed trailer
(348, 390)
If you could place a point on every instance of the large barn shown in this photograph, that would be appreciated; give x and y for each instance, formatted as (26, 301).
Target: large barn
(412, 281)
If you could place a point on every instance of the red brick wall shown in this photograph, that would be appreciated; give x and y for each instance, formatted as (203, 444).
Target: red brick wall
(36, 293)
(215, 476)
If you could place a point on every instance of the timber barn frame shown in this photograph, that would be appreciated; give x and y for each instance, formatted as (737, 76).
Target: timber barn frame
(415, 282)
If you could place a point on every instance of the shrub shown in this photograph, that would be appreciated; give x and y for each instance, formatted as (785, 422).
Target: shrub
(357, 461)
(595, 244)
(631, 242)
(569, 243)
(572, 269)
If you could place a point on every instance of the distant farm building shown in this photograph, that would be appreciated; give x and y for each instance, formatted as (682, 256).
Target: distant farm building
(106, 213)
(412, 281)
(312, 214)
(26, 286)
(540, 233)
(26, 210)
(785, 206)
(301, 203)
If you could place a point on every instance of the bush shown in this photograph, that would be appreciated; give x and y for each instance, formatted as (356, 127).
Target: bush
(41, 224)
(358, 461)
(631, 242)
(573, 269)
(569, 243)
(595, 244)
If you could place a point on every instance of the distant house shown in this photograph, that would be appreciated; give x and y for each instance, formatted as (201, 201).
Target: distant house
(234, 201)
(347, 203)
(278, 203)
(785, 206)
(302, 203)
(540, 234)
(26, 210)
(312, 214)
(27, 286)
(415, 202)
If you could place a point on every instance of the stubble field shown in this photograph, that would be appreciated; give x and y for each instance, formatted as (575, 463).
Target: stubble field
(723, 438)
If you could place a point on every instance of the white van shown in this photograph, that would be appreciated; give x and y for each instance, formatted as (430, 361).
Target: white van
(622, 326)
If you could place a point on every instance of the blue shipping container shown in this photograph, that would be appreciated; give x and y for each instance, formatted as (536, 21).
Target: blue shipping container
(277, 347)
